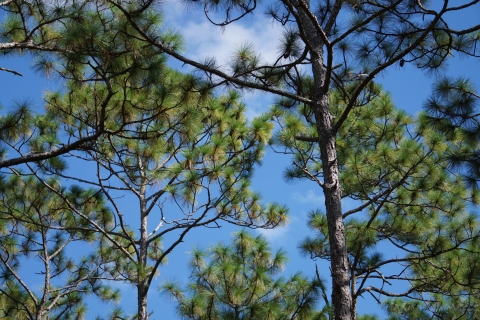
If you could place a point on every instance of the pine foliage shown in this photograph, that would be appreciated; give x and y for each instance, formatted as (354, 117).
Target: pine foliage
(239, 281)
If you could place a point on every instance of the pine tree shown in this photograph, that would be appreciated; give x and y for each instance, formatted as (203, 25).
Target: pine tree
(37, 233)
(345, 45)
(238, 281)
(453, 110)
(145, 130)
(102, 42)
(410, 202)
(186, 157)
(85, 42)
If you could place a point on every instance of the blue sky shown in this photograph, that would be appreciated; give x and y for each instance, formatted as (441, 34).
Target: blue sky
(408, 86)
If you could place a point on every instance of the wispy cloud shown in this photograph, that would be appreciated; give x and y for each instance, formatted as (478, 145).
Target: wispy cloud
(297, 226)
(275, 235)
(316, 198)
(205, 40)
(310, 197)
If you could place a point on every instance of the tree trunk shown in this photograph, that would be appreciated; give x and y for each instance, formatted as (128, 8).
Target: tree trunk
(142, 290)
(142, 285)
(341, 293)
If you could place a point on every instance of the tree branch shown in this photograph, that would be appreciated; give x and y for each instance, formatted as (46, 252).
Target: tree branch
(11, 71)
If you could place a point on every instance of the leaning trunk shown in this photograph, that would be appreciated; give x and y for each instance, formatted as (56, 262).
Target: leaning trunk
(341, 293)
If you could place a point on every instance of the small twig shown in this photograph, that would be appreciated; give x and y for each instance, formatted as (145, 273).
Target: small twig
(309, 175)
(378, 301)
(381, 275)
(11, 71)
(156, 229)
(322, 287)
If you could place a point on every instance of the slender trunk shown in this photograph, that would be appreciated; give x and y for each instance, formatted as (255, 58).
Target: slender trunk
(46, 261)
(341, 296)
(341, 293)
(142, 290)
(142, 285)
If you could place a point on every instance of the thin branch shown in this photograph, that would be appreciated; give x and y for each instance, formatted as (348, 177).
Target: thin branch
(19, 279)
(389, 294)
(382, 67)
(38, 156)
(4, 3)
(306, 139)
(11, 71)
(84, 216)
(309, 174)
(206, 68)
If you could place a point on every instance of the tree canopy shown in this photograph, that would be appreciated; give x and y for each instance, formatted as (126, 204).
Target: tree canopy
(181, 147)
(237, 282)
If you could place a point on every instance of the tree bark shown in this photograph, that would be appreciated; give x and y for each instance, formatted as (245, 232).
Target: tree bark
(341, 292)
(142, 285)
(142, 290)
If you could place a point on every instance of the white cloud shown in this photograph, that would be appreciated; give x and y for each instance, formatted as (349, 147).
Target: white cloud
(257, 103)
(310, 197)
(276, 235)
(205, 40)
(283, 236)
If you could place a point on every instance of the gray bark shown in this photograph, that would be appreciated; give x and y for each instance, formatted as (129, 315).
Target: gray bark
(142, 291)
(142, 284)
(341, 292)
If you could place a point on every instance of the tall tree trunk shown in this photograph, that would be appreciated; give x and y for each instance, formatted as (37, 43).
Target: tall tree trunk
(341, 292)
(341, 295)
(142, 290)
(142, 285)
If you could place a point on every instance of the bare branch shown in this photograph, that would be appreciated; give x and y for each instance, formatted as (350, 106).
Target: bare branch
(11, 71)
